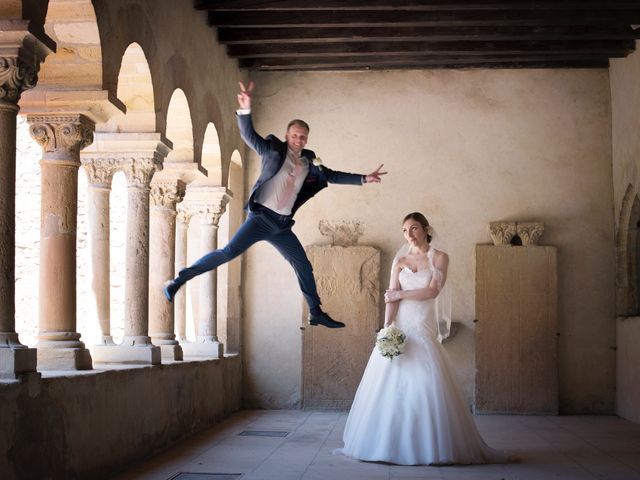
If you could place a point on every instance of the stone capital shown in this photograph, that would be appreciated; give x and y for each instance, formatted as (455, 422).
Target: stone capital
(529, 232)
(139, 170)
(99, 170)
(206, 203)
(15, 77)
(502, 232)
(167, 193)
(61, 133)
(20, 56)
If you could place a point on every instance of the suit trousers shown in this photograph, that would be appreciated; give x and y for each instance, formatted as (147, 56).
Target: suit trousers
(261, 224)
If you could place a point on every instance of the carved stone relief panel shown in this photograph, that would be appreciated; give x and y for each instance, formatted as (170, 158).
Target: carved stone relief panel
(348, 281)
(516, 330)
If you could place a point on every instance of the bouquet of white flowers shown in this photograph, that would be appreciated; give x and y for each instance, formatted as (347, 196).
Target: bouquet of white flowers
(390, 342)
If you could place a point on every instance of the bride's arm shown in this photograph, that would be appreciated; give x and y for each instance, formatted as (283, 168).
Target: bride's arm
(440, 262)
(391, 309)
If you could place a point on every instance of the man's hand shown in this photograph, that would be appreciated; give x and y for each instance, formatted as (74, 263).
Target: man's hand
(244, 97)
(374, 177)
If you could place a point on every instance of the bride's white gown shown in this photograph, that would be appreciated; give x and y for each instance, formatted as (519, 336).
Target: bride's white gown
(409, 410)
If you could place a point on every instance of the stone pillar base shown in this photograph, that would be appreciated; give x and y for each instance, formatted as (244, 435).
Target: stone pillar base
(172, 352)
(16, 361)
(209, 349)
(64, 359)
(144, 354)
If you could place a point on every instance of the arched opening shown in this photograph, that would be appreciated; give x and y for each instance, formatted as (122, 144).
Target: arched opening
(179, 129)
(628, 255)
(230, 275)
(77, 63)
(135, 90)
(211, 158)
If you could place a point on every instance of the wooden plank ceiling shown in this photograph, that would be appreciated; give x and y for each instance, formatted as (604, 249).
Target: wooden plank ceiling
(420, 34)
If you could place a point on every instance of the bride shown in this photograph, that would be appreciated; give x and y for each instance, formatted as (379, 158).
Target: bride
(409, 410)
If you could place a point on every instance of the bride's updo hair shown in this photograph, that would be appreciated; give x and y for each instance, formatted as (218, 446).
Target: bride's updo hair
(422, 220)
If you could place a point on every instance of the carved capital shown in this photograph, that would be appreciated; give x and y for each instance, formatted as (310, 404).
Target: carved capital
(182, 216)
(502, 232)
(167, 193)
(139, 171)
(60, 133)
(530, 232)
(15, 77)
(207, 214)
(341, 233)
(99, 170)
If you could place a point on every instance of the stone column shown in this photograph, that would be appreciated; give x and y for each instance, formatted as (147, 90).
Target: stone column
(180, 300)
(138, 155)
(207, 203)
(62, 136)
(100, 174)
(136, 343)
(165, 194)
(18, 71)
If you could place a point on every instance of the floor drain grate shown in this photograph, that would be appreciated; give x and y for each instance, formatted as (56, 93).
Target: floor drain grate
(263, 433)
(205, 476)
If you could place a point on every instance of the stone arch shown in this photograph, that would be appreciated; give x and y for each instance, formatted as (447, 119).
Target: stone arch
(230, 275)
(211, 156)
(628, 255)
(135, 90)
(179, 128)
(77, 62)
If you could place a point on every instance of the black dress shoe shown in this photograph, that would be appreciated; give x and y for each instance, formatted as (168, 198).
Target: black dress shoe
(324, 319)
(170, 288)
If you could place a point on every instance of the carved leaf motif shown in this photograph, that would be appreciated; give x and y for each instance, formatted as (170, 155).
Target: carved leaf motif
(15, 77)
(502, 232)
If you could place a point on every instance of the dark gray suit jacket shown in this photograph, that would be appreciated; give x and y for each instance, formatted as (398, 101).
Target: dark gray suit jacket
(273, 152)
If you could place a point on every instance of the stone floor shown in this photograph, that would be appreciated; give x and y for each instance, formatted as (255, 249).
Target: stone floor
(560, 448)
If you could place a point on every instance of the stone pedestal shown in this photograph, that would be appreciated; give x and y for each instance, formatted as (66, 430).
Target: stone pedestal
(333, 361)
(516, 330)
(20, 57)
(165, 193)
(207, 204)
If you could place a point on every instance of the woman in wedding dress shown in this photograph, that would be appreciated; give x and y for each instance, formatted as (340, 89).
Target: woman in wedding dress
(409, 410)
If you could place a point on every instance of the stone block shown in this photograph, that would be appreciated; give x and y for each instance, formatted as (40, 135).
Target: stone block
(348, 281)
(516, 330)
(64, 359)
(208, 350)
(16, 361)
(140, 354)
(172, 352)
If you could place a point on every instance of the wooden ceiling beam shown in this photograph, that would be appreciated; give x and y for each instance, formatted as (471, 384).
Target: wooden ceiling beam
(358, 63)
(499, 18)
(601, 48)
(410, 5)
(238, 36)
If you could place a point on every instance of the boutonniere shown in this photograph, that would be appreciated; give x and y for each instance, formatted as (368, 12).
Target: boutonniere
(317, 162)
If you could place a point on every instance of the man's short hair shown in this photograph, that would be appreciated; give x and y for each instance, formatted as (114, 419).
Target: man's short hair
(298, 122)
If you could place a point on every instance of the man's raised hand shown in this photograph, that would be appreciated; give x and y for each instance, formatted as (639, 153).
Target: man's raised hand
(244, 97)
(374, 177)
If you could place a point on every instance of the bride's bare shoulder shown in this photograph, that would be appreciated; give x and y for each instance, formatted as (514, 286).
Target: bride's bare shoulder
(440, 258)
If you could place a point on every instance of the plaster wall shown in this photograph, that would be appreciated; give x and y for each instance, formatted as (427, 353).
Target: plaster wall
(465, 148)
(83, 425)
(625, 106)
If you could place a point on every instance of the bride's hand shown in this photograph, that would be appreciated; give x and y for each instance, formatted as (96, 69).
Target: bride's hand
(391, 296)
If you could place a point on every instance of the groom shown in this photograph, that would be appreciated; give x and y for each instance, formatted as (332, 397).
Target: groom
(287, 180)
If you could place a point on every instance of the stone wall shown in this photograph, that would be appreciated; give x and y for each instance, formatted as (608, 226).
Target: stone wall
(625, 105)
(465, 148)
(84, 425)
